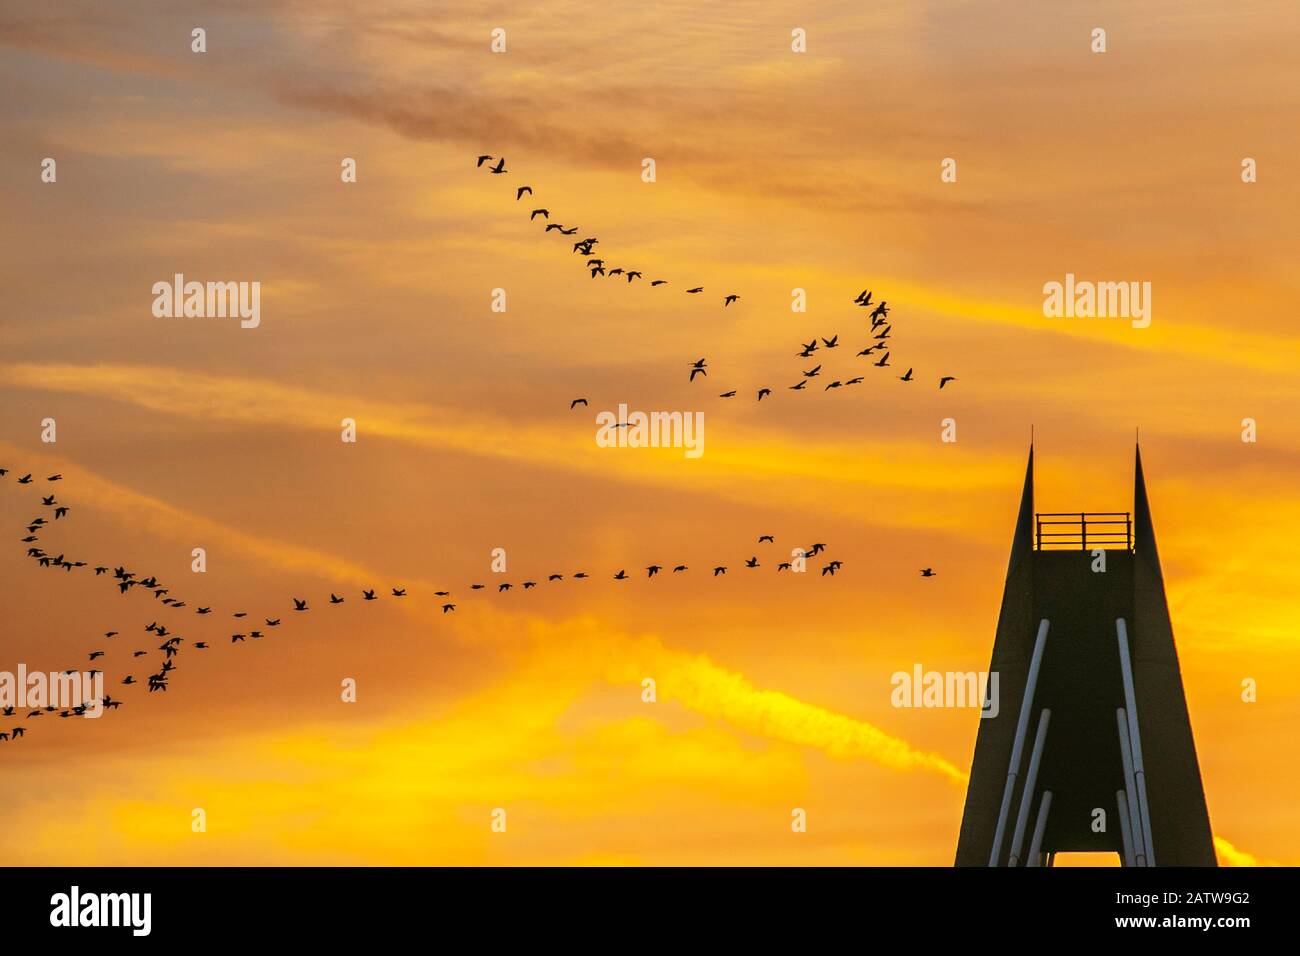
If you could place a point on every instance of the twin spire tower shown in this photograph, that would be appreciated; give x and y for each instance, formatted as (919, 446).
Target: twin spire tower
(1092, 747)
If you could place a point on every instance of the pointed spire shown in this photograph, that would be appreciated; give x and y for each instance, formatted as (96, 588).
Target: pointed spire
(1144, 532)
(1023, 542)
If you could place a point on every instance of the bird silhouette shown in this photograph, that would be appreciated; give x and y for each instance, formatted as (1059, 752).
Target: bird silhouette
(946, 379)
(519, 193)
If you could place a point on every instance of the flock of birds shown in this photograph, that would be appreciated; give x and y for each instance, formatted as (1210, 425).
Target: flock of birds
(881, 330)
(157, 672)
(161, 669)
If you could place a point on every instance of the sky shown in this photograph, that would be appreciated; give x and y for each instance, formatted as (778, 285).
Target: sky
(774, 171)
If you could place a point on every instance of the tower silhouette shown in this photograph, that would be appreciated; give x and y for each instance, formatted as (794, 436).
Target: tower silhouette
(1091, 750)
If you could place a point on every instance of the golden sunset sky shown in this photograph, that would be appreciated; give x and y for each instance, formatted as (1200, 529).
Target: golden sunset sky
(775, 171)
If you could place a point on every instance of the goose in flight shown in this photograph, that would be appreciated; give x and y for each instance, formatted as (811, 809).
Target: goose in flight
(694, 291)
(519, 193)
(927, 572)
(483, 159)
(299, 605)
(946, 379)
(499, 168)
(576, 402)
(728, 300)
(335, 599)
(906, 377)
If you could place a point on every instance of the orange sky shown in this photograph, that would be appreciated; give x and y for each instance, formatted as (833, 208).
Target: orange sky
(775, 171)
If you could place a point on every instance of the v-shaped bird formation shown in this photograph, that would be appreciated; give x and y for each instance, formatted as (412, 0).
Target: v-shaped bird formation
(881, 330)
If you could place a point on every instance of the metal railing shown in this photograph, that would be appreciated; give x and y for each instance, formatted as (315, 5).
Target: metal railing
(1083, 530)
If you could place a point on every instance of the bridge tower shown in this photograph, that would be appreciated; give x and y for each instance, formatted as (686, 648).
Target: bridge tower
(1092, 747)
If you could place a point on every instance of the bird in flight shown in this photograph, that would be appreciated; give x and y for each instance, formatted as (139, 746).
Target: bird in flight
(544, 213)
(728, 300)
(299, 605)
(795, 388)
(621, 576)
(698, 367)
(766, 537)
(335, 599)
(927, 572)
(519, 193)
(864, 297)
(719, 570)
(946, 379)
(752, 562)
(762, 392)
(907, 377)
(399, 592)
(884, 360)
(499, 168)
(730, 394)
(448, 607)
(688, 292)
(653, 570)
(659, 282)
(813, 372)
(483, 159)
(832, 342)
